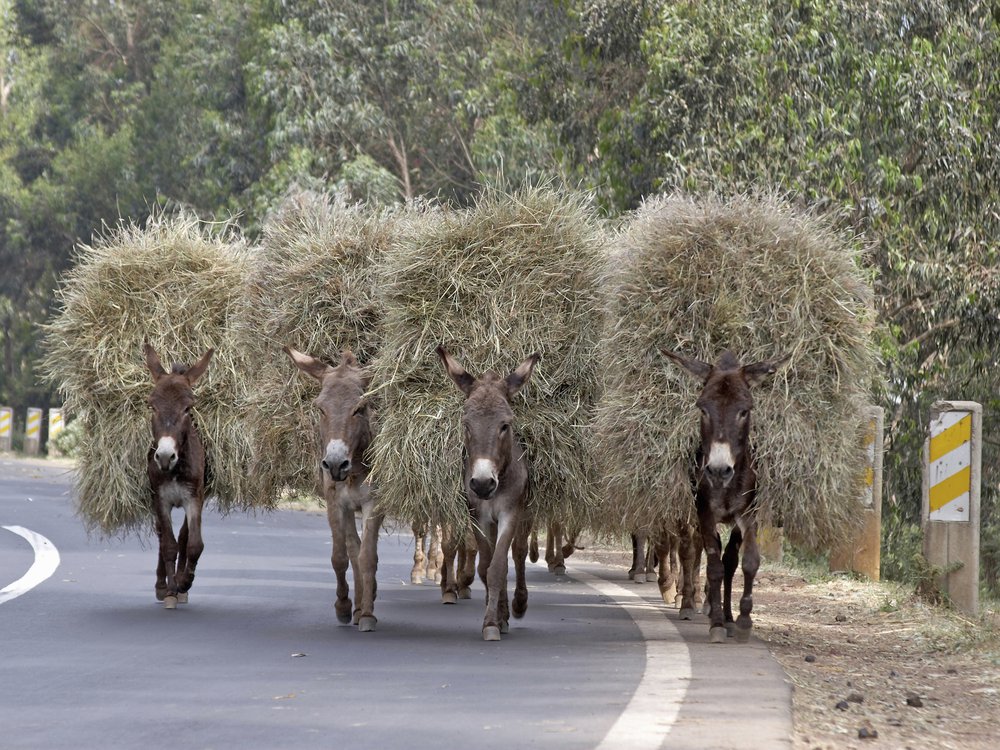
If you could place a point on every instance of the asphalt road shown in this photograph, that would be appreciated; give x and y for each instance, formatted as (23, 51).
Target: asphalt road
(257, 660)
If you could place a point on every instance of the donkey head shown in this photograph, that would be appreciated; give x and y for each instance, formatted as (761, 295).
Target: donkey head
(171, 402)
(344, 424)
(487, 420)
(725, 403)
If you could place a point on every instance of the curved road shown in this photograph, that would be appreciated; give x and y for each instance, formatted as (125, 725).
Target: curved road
(89, 659)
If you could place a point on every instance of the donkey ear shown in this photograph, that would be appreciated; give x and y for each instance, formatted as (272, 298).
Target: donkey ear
(462, 379)
(309, 365)
(198, 368)
(153, 362)
(758, 372)
(695, 367)
(520, 376)
(347, 358)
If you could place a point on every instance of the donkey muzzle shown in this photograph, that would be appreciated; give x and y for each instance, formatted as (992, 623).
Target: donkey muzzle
(719, 476)
(166, 454)
(337, 460)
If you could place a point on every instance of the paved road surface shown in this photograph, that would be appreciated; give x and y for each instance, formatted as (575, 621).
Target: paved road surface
(89, 659)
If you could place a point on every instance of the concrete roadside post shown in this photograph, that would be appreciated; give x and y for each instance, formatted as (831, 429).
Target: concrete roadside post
(952, 472)
(6, 427)
(863, 554)
(55, 427)
(33, 432)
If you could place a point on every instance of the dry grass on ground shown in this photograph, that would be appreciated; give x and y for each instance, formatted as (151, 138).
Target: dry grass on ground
(920, 676)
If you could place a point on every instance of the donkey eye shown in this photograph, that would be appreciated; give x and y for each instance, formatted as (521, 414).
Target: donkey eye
(744, 413)
(504, 428)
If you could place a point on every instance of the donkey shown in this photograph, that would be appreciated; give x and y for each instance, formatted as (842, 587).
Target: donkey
(726, 482)
(496, 485)
(676, 555)
(458, 562)
(175, 465)
(345, 434)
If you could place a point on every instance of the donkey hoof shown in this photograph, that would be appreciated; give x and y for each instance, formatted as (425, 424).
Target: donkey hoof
(449, 597)
(559, 570)
(437, 579)
(631, 575)
(170, 602)
(717, 634)
(686, 613)
(491, 633)
(416, 580)
(343, 617)
(367, 624)
(741, 635)
(706, 608)
(182, 598)
(465, 593)
(639, 578)
(505, 627)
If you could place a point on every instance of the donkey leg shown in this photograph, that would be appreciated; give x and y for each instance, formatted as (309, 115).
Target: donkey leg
(555, 539)
(339, 559)
(466, 568)
(496, 620)
(638, 544)
(353, 540)
(434, 556)
(369, 566)
(689, 559)
(751, 563)
(192, 546)
(491, 628)
(168, 556)
(161, 565)
(519, 548)
(730, 561)
(716, 571)
(419, 559)
(570, 545)
(533, 545)
(449, 547)
(665, 577)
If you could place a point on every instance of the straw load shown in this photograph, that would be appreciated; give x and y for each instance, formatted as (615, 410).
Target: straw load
(175, 283)
(509, 276)
(761, 278)
(312, 287)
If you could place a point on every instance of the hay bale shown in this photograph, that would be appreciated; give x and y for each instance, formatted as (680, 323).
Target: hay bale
(312, 286)
(175, 283)
(511, 275)
(761, 278)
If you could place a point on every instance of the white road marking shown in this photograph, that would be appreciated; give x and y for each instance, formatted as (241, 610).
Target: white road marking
(46, 562)
(653, 708)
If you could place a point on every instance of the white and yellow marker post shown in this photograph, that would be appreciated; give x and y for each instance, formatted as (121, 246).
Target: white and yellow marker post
(951, 487)
(6, 427)
(55, 427)
(863, 553)
(33, 432)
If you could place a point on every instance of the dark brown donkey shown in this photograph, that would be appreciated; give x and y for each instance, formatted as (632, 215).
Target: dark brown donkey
(496, 485)
(345, 434)
(726, 483)
(175, 465)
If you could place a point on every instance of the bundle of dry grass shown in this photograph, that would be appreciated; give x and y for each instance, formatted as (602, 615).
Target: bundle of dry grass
(175, 283)
(509, 276)
(761, 278)
(312, 287)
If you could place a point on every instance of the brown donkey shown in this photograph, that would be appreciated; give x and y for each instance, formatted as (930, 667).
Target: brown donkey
(175, 465)
(496, 485)
(345, 434)
(726, 483)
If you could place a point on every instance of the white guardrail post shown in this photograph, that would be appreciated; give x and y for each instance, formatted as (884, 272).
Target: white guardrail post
(951, 484)
(6, 427)
(863, 554)
(33, 432)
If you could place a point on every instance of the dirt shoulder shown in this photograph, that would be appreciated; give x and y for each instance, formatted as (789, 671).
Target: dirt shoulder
(867, 658)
